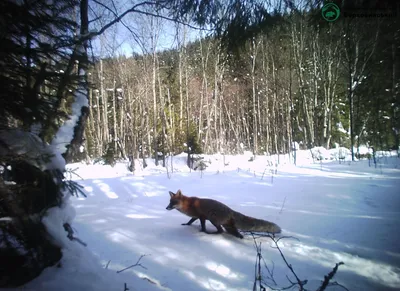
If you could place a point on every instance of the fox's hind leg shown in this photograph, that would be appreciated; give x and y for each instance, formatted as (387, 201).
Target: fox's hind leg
(218, 227)
(203, 224)
(203, 227)
(190, 221)
(231, 229)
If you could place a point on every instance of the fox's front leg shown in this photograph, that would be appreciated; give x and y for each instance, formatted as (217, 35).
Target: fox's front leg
(193, 219)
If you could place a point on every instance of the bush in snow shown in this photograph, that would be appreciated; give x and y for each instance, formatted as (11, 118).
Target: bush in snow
(31, 182)
(340, 153)
(109, 156)
(24, 244)
(363, 152)
(320, 153)
(199, 163)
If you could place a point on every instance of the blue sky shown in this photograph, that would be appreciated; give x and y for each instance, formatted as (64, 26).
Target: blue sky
(118, 39)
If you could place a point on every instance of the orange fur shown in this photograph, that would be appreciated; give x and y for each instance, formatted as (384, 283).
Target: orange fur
(218, 214)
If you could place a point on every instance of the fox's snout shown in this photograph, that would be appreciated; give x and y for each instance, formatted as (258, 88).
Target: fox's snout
(172, 205)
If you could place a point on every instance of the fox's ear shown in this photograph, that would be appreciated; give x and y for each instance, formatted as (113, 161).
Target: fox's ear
(171, 194)
(179, 192)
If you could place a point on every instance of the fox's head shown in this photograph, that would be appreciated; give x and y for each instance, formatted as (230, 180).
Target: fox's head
(175, 200)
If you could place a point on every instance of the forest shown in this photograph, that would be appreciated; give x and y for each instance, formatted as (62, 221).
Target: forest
(301, 79)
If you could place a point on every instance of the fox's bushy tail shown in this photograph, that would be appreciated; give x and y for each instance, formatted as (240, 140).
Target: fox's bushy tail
(247, 223)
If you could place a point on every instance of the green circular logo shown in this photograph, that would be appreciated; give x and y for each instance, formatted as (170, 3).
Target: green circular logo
(330, 12)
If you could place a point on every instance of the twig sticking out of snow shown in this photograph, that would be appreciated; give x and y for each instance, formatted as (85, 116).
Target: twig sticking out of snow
(300, 283)
(329, 277)
(257, 275)
(134, 265)
(70, 235)
(262, 177)
(283, 204)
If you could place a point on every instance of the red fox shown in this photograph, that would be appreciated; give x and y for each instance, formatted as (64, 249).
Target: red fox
(218, 214)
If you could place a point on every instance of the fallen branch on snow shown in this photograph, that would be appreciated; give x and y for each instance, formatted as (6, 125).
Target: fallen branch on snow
(70, 235)
(134, 265)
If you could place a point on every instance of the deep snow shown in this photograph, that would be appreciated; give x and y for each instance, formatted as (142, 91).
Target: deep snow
(338, 212)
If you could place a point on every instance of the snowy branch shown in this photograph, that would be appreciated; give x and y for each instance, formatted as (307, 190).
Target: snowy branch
(65, 133)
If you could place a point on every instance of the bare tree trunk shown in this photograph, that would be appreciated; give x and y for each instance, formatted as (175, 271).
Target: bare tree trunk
(329, 64)
(239, 123)
(144, 128)
(221, 123)
(92, 132)
(104, 101)
(188, 139)
(122, 117)
(171, 119)
(99, 132)
(149, 148)
(298, 43)
(155, 113)
(162, 114)
(180, 44)
(233, 127)
(204, 85)
(288, 119)
(114, 112)
(274, 109)
(216, 145)
(356, 60)
(316, 106)
(254, 48)
(153, 87)
(131, 117)
(211, 110)
(395, 102)
(265, 118)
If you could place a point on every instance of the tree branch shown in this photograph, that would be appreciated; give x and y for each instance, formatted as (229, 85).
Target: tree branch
(134, 265)
(325, 283)
(172, 19)
(135, 8)
(301, 283)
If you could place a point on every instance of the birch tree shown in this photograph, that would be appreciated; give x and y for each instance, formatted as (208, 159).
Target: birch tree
(358, 53)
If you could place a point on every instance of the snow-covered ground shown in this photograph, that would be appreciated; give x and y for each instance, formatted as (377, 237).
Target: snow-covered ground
(347, 212)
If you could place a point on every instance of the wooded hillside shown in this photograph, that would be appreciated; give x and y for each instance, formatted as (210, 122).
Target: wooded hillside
(300, 80)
